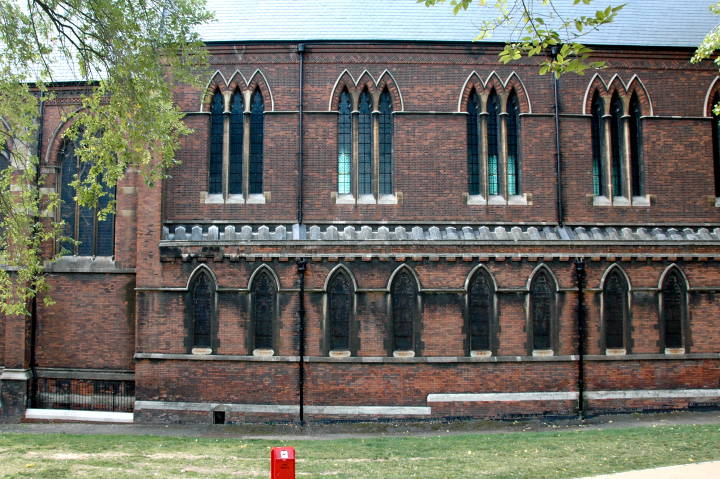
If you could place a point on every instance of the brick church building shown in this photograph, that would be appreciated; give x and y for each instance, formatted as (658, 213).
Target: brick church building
(375, 218)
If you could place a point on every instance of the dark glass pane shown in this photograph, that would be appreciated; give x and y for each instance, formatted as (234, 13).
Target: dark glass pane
(216, 144)
(635, 146)
(365, 143)
(405, 310)
(616, 132)
(340, 296)
(86, 220)
(256, 143)
(716, 146)
(513, 125)
(481, 296)
(68, 165)
(203, 306)
(598, 141)
(615, 309)
(386, 136)
(235, 185)
(104, 239)
(473, 145)
(542, 296)
(673, 309)
(345, 144)
(4, 160)
(263, 310)
(492, 140)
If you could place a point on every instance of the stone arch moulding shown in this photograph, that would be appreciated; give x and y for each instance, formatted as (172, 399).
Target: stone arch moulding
(337, 268)
(673, 267)
(237, 81)
(395, 273)
(502, 88)
(624, 90)
(711, 91)
(258, 80)
(198, 270)
(217, 82)
(612, 268)
(535, 271)
(56, 139)
(375, 87)
(258, 270)
(479, 268)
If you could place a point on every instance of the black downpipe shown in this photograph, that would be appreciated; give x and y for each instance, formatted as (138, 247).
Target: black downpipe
(554, 50)
(36, 219)
(580, 275)
(301, 138)
(301, 267)
(301, 262)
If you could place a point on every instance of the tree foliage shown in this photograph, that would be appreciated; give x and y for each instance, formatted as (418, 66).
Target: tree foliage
(130, 54)
(536, 29)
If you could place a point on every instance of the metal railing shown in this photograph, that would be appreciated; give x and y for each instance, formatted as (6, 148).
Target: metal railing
(85, 394)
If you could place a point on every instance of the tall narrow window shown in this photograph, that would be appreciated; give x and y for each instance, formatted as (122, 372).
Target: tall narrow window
(257, 121)
(615, 309)
(202, 309)
(542, 310)
(635, 146)
(674, 309)
(481, 310)
(473, 144)
(513, 129)
(216, 144)
(340, 304)
(385, 143)
(716, 145)
(345, 144)
(365, 144)
(598, 145)
(94, 237)
(493, 118)
(405, 310)
(263, 310)
(616, 138)
(237, 130)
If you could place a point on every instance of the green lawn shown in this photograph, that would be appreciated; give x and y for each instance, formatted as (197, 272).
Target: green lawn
(562, 454)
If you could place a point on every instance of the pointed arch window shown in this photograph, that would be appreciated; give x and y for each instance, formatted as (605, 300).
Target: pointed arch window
(493, 140)
(365, 149)
(598, 145)
(716, 146)
(340, 309)
(481, 311)
(542, 310)
(235, 169)
(635, 140)
(94, 237)
(616, 138)
(264, 298)
(673, 309)
(405, 311)
(202, 309)
(615, 310)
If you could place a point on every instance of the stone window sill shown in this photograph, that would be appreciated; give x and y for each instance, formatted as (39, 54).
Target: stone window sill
(621, 201)
(403, 354)
(253, 199)
(615, 352)
(263, 352)
(498, 200)
(349, 199)
(674, 351)
(201, 351)
(543, 352)
(339, 353)
(480, 354)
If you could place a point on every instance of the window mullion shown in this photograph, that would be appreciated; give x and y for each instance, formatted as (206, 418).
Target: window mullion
(626, 166)
(246, 146)
(376, 153)
(502, 155)
(483, 144)
(226, 145)
(355, 115)
(607, 154)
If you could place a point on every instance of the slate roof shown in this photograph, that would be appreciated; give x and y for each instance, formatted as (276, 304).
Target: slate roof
(641, 23)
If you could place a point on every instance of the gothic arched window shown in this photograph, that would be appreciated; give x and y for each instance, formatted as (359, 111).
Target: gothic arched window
(345, 142)
(716, 145)
(481, 311)
(673, 309)
(94, 236)
(636, 146)
(513, 133)
(615, 309)
(405, 311)
(264, 295)
(216, 145)
(542, 310)
(385, 143)
(365, 144)
(237, 131)
(493, 130)
(616, 138)
(598, 145)
(473, 144)
(257, 110)
(202, 309)
(340, 309)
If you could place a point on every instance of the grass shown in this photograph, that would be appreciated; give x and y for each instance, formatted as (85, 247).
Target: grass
(556, 455)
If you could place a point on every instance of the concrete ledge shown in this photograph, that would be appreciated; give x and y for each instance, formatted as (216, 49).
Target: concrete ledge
(504, 397)
(359, 359)
(653, 394)
(286, 408)
(70, 415)
(15, 375)
(74, 373)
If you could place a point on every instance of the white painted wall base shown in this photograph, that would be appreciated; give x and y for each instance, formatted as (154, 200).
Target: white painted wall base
(71, 415)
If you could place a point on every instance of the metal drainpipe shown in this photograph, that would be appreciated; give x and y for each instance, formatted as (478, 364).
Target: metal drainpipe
(36, 219)
(301, 262)
(554, 50)
(580, 279)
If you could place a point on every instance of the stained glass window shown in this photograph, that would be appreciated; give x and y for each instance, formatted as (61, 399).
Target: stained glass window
(473, 144)
(481, 298)
(340, 303)
(386, 145)
(598, 141)
(493, 118)
(542, 299)
(513, 131)
(635, 146)
(365, 144)
(202, 308)
(345, 144)
(673, 309)
(716, 145)
(616, 132)
(263, 309)
(615, 309)
(235, 182)
(256, 142)
(404, 309)
(216, 144)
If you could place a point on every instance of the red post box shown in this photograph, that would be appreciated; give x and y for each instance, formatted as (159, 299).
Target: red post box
(282, 463)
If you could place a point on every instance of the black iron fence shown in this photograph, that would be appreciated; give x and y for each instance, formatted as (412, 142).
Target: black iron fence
(85, 394)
